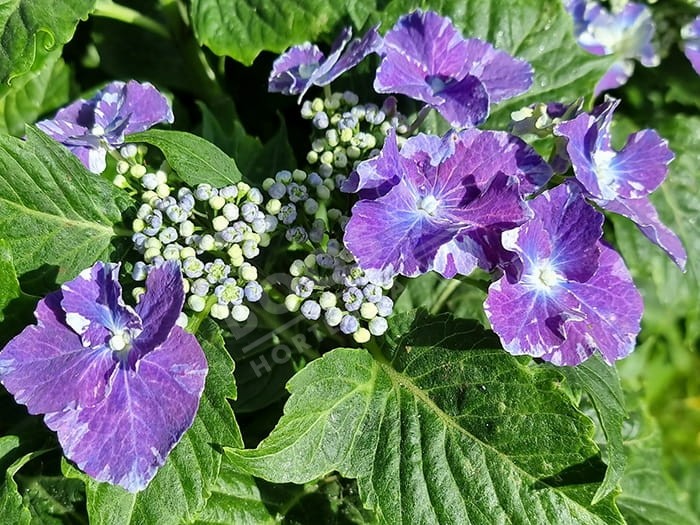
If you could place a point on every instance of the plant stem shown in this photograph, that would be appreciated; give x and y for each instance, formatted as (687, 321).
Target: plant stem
(108, 9)
(425, 110)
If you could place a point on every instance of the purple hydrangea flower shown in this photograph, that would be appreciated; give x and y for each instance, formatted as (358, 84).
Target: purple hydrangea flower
(90, 127)
(428, 206)
(627, 34)
(691, 43)
(426, 58)
(574, 295)
(621, 181)
(119, 385)
(303, 66)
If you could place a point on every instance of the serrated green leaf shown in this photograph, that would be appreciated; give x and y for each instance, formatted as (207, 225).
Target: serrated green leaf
(12, 508)
(9, 285)
(31, 30)
(678, 203)
(195, 159)
(602, 385)
(53, 500)
(53, 212)
(444, 427)
(649, 496)
(182, 486)
(34, 94)
(242, 29)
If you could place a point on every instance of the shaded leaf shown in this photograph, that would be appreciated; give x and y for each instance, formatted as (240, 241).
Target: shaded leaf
(9, 285)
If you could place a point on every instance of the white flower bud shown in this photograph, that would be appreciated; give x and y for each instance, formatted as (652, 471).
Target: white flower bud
(292, 302)
(219, 223)
(218, 311)
(248, 272)
(327, 300)
(240, 313)
(362, 335)
(368, 310)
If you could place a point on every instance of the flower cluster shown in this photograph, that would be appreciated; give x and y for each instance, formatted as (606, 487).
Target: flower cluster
(90, 128)
(626, 34)
(120, 385)
(213, 233)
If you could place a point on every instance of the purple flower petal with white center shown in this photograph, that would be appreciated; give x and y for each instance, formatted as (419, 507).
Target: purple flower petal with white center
(644, 215)
(426, 58)
(90, 127)
(691, 43)
(121, 403)
(450, 186)
(633, 172)
(627, 34)
(574, 296)
(303, 66)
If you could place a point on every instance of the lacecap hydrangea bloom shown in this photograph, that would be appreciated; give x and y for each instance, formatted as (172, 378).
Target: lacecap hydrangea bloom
(89, 128)
(621, 181)
(691, 43)
(573, 296)
(626, 34)
(305, 65)
(120, 385)
(426, 58)
(431, 205)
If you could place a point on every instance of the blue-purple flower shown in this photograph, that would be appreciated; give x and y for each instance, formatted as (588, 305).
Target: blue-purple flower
(574, 296)
(691, 43)
(627, 35)
(120, 385)
(305, 65)
(621, 181)
(426, 58)
(428, 206)
(89, 128)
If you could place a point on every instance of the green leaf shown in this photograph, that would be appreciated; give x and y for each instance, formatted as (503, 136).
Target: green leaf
(649, 496)
(9, 285)
(275, 155)
(34, 94)
(12, 508)
(182, 486)
(602, 385)
(195, 159)
(243, 28)
(53, 500)
(678, 203)
(53, 212)
(235, 499)
(31, 30)
(443, 427)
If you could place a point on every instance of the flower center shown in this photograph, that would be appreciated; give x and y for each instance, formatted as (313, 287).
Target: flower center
(548, 277)
(605, 173)
(120, 341)
(97, 130)
(429, 204)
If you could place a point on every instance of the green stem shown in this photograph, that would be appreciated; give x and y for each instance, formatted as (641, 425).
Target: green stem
(196, 320)
(108, 9)
(422, 114)
(444, 296)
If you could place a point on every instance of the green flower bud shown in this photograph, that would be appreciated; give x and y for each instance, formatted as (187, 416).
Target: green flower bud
(273, 206)
(332, 138)
(149, 197)
(368, 310)
(312, 157)
(219, 311)
(186, 252)
(138, 225)
(243, 188)
(362, 335)
(219, 223)
(162, 191)
(137, 171)
(322, 192)
(317, 105)
(267, 183)
(327, 300)
(120, 181)
(186, 228)
(346, 135)
(122, 167)
(150, 254)
(248, 272)
(318, 145)
(310, 260)
(264, 240)
(299, 175)
(353, 152)
(292, 302)
(196, 303)
(327, 157)
(334, 214)
(217, 202)
(137, 292)
(235, 252)
(297, 268)
(153, 242)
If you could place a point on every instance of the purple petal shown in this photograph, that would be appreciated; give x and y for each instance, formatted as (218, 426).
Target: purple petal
(292, 70)
(464, 103)
(336, 64)
(643, 214)
(47, 368)
(144, 106)
(617, 75)
(691, 43)
(503, 75)
(376, 176)
(455, 257)
(124, 439)
(612, 310)
(94, 306)
(160, 306)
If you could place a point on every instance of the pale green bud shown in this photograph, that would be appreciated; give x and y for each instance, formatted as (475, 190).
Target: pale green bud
(219, 311)
(137, 171)
(362, 335)
(217, 202)
(219, 223)
(138, 225)
(292, 302)
(368, 310)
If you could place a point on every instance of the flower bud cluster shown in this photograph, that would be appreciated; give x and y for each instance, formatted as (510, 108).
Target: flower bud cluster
(347, 132)
(328, 284)
(212, 232)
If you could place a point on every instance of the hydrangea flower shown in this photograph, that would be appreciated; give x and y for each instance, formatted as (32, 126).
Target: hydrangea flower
(428, 206)
(90, 127)
(119, 385)
(426, 58)
(626, 34)
(691, 43)
(574, 295)
(621, 181)
(305, 65)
